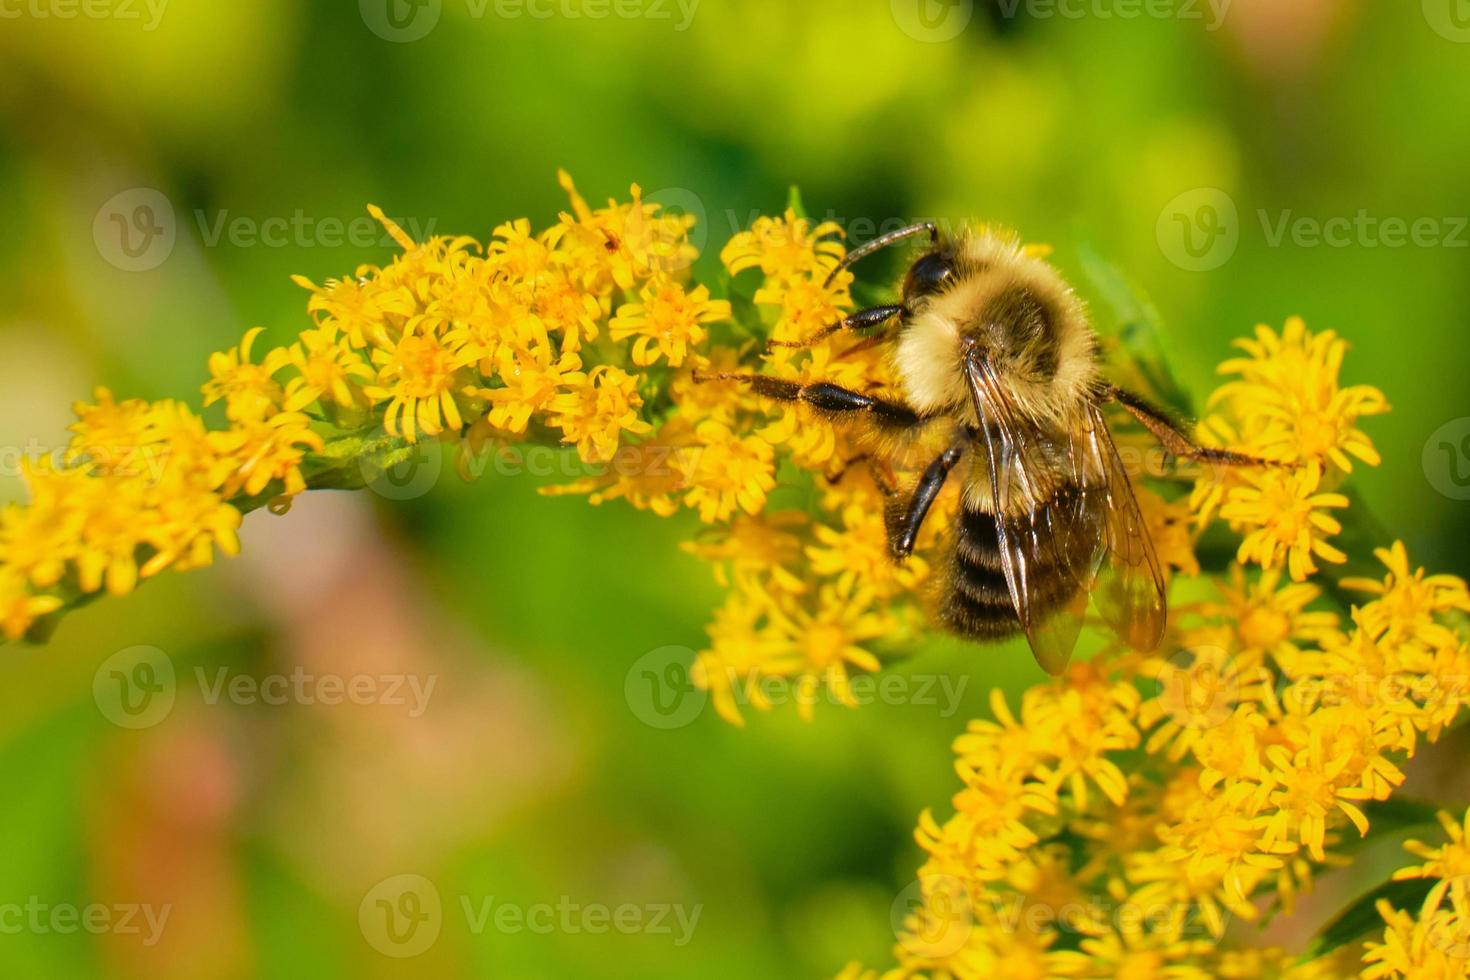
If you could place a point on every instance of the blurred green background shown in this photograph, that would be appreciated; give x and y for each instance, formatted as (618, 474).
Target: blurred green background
(534, 777)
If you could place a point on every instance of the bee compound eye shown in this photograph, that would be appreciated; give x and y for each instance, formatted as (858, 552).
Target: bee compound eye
(929, 274)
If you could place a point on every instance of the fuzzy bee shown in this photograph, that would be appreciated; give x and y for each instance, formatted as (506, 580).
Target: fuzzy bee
(997, 363)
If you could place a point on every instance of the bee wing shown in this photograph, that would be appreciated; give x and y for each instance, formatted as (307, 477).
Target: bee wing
(1129, 590)
(1043, 522)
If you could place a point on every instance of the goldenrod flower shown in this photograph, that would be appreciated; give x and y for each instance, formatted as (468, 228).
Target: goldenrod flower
(1197, 692)
(39, 539)
(1289, 402)
(1276, 963)
(803, 308)
(1409, 601)
(1435, 945)
(117, 437)
(1268, 618)
(19, 607)
(990, 828)
(668, 322)
(741, 646)
(253, 453)
(595, 414)
(1285, 520)
(725, 472)
(818, 638)
(1139, 953)
(532, 379)
(249, 390)
(562, 307)
(858, 553)
(1447, 861)
(1214, 855)
(360, 306)
(784, 248)
(768, 544)
(1312, 783)
(419, 375)
(647, 474)
(326, 365)
(1219, 773)
(634, 240)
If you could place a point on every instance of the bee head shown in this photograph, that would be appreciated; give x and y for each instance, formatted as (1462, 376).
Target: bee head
(928, 276)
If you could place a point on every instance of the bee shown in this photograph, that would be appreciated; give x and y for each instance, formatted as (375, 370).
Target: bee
(996, 361)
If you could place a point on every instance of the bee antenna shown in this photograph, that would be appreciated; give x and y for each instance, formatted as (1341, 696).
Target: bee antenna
(881, 242)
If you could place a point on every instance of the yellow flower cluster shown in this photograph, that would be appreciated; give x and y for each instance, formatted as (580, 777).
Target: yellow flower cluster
(526, 336)
(1250, 747)
(1286, 404)
(812, 589)
(1107, 824)
(1115, 822)
(1436, 942)
(139, 488)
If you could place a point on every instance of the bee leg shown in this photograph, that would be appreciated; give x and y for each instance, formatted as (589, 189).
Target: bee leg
(883, 477)
(834, 477)
(1175, 441)
(905, 519)
(829, 399)
(860, 320)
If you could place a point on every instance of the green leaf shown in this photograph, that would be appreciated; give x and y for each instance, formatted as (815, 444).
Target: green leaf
(1401, 813)
(1139, 329)
(1361, 917)
(794, 202)
(1389, 817)
(744, 314)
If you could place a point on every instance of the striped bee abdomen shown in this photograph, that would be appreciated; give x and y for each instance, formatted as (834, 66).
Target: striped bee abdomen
(976, 601)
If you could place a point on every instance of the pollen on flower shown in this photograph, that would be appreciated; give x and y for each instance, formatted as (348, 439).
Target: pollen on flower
(667, 322)
(785, 248)
(1286, 521)
(418, 376)
(531, 380)
(594, 415)
(248, 389)
(725, 472)
(326, 365)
